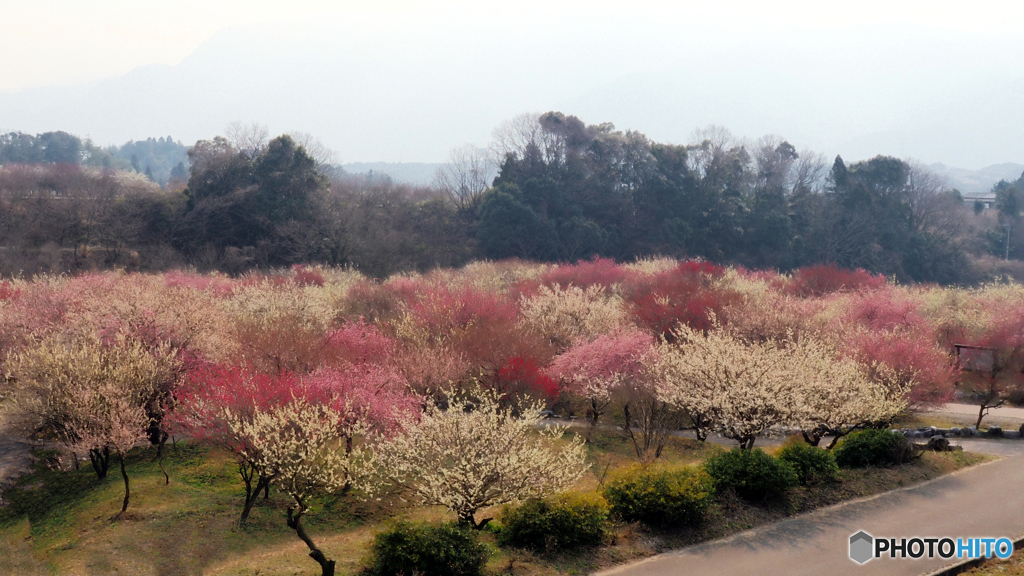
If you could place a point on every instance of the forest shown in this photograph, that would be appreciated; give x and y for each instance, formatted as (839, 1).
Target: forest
(548, 188)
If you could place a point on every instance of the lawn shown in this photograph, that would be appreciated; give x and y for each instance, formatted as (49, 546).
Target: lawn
(67, 522)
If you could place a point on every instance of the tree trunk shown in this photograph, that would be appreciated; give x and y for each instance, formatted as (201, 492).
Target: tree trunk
(127, 493)
(813, 438)
(100, 461)
(592, 416)
(251, 496)
(160, 457)
(295, 523)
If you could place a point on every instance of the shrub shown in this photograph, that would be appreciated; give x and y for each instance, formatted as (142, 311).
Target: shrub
(427, 550)
(812, 464)
(562, 521)
(659, 495)
(752, 474)
(873, 448)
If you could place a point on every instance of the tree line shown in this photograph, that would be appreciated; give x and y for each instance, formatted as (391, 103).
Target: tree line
(549, 187)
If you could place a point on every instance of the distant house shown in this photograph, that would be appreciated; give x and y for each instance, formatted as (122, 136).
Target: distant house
(987, 199)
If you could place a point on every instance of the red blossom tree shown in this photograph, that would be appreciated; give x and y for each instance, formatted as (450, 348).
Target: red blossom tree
(822, 279)
(690, 294)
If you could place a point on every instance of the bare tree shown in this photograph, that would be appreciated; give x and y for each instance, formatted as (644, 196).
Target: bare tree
(467, 174)
(515, 135)
(327, 161)
(248, 138)
(809, 173)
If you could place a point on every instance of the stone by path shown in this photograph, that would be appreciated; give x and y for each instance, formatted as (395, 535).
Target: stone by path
(983, 501)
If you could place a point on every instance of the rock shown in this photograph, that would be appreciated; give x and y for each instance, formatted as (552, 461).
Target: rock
(995, 431)
(972, 431)
(1011, 434)
(547, 414)
(955, 431)
(938, 444)
(1021, 431)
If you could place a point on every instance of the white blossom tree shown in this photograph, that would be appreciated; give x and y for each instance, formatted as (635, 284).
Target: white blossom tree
(475, 454)
(746, 388)
(741, 388)
(299, 446)
(568, 315)
(93, 396)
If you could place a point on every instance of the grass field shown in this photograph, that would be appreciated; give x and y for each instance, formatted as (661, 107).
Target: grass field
(67, 522)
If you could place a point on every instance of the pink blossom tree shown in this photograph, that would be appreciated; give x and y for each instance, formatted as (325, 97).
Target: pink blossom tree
(595, 370)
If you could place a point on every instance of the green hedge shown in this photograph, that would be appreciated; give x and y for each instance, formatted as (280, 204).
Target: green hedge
(873, 448)
(427, 550)
(752, 474)
(660, 495)
(812, 464)
(558, 522)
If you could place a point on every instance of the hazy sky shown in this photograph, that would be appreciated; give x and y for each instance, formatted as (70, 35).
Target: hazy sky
(887, 76)
(59, 42)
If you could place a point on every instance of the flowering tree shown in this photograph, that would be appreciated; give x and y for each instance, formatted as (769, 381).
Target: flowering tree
(837, 396)
(691, 293)
(993, 368)
(212, 392)
(596, 369)
(474, 455)
(216, 395)
(94, 396)
(746, 388)
(742, 388)
(565, 315)
(297, 445)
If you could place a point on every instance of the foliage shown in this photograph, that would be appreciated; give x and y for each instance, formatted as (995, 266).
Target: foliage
(752, 474)
(430, 550)
(812, 464)
(475, 454)
(558, 522)
(660, 495)
(873, 448)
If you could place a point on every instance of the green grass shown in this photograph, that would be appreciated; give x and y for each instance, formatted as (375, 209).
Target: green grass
(67, 522)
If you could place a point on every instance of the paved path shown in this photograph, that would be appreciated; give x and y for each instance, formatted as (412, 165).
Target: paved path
(970, 411)
(982, 501)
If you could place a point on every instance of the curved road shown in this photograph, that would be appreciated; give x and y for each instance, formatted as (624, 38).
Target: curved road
(983, 501)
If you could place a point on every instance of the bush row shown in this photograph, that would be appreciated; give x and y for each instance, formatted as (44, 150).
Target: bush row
(657, 495)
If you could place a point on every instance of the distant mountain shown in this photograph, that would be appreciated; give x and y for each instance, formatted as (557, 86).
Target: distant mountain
(971, 181)
(415, 173)
(412, 87)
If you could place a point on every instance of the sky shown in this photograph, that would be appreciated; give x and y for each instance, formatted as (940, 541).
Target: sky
(868, 77)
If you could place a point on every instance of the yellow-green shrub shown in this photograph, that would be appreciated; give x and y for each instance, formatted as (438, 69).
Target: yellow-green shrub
(561, 521)
(660, 495)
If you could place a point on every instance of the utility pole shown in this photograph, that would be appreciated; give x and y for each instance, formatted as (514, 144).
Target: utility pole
(1007, 257)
